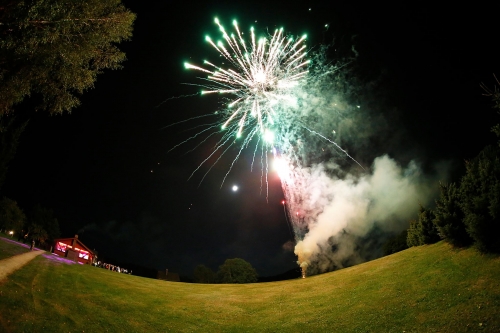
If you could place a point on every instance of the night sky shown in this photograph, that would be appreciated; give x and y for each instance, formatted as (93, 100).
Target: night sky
(106, 171)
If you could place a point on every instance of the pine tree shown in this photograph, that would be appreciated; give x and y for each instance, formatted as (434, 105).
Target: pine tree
(481, 199)
(450, 217)
(422, 231)
(413, 235)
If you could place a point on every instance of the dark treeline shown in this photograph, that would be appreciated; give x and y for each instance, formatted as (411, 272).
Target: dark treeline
(39, 225)
(468, 211)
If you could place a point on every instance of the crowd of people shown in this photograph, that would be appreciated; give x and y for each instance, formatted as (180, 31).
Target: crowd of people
(112, 267)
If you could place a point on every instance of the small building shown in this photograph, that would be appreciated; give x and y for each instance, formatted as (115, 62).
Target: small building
(74, 249)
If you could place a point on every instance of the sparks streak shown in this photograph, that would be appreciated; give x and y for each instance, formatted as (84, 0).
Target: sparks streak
(260, 86)
(336, 145)
(260, 76)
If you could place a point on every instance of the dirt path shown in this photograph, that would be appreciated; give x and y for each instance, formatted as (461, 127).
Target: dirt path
(9, 265)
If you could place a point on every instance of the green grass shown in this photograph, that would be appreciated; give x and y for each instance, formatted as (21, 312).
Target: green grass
(425, 289)
(8, 249)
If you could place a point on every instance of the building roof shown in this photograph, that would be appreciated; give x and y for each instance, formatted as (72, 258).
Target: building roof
(80, 244)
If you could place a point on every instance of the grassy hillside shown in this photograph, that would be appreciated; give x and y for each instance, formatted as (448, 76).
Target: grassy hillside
(9, 248)
(425, 289)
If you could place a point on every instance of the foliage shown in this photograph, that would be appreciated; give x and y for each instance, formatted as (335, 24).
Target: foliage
(481, 199)
(236, 271)
(396, 243)
(12, 217)
(449, 216)
(38, 233)
(203, 274)
(412, 235)
(423, 230)
(56, 48)
(9, 140)
(42, 225)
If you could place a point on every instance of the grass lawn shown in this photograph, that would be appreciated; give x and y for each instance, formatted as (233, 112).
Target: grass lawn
(9, 247)
(425, 289)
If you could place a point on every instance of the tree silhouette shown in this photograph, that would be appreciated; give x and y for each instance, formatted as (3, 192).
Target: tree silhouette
(236, 271)
(56, 48)
(12, 217)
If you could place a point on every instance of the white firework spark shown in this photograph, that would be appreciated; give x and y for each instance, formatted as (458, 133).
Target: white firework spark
(261, 82)
(259, 77)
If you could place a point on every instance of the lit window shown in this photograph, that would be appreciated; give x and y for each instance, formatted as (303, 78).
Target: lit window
(61, 247)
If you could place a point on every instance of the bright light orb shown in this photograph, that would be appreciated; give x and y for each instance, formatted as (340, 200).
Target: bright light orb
(281, 168)
(235, 188)
(269, 136)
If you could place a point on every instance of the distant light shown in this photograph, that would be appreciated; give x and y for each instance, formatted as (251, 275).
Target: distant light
(235, 188)
(282, 202)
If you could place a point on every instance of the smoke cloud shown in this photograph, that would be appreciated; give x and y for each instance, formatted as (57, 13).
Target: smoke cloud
(341, 212)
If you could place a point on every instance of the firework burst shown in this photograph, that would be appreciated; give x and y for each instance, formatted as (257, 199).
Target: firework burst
(269, 98)
(260, 84)
(259, 78)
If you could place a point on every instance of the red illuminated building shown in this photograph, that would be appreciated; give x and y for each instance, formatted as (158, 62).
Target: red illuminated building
(74, 249)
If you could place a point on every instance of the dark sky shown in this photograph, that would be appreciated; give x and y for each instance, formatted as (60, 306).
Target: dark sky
(106, 172)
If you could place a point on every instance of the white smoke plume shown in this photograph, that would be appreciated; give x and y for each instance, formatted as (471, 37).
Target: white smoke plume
(338, 211)
(339, 216)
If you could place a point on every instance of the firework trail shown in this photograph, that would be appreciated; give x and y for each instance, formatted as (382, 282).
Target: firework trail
(265, 83)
